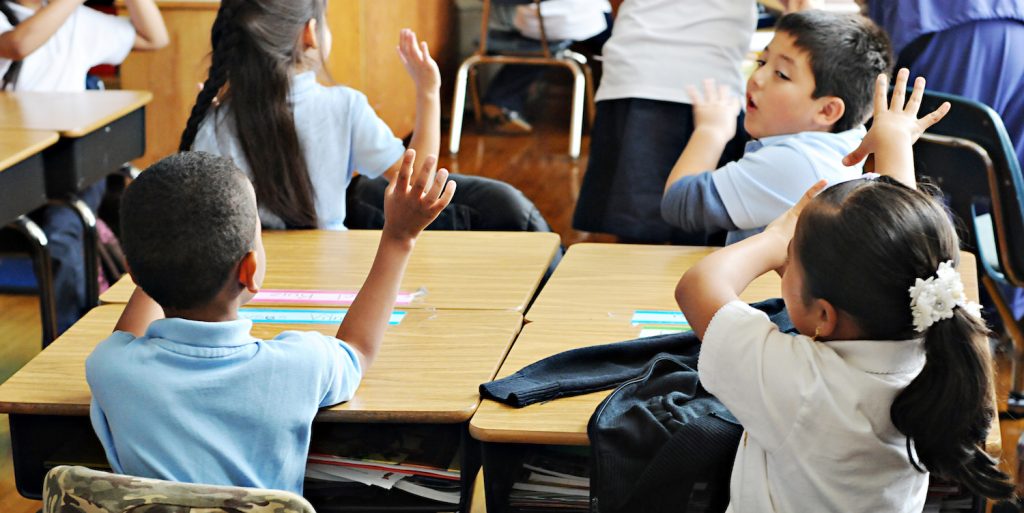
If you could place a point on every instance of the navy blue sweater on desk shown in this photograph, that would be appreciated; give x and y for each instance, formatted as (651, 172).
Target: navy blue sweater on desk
(658, 433)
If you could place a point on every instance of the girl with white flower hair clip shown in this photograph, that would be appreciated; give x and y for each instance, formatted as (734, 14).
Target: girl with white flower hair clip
(887, 377)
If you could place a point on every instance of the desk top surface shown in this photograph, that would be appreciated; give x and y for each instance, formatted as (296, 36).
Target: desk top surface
(72, 114)
(612, 281)
(428, 370)
(459, 270)
(18, 145)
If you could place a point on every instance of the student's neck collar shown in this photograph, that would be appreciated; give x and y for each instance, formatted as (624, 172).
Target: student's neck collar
(214, 311)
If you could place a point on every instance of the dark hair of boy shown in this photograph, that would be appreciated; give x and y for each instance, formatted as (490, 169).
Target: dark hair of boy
(847, 52)
(255, 47)
(862, 244)
(186, 223)
(10, 78)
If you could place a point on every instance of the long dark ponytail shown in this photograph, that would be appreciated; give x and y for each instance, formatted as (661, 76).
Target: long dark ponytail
(254, 52)
(882, 236)
(11, 76)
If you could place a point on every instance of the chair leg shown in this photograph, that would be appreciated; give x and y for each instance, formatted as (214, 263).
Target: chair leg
(589, 76)
(459, 103)
(44, 275)
(578, 94)
(474, 95)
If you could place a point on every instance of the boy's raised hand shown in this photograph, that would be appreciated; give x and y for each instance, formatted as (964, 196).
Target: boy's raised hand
(896, 122)
(716, 110)
(413, 200)
(418, 63)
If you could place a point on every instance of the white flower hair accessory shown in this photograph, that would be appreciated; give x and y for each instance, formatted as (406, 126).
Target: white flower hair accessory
(934, 299)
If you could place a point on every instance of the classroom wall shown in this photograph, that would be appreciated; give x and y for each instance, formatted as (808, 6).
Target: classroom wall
(364, 57)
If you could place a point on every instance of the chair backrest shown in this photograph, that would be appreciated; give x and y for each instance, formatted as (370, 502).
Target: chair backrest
(970, 156)
(70, 489)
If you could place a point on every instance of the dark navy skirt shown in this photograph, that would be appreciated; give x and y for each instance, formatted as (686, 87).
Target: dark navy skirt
(633, 146)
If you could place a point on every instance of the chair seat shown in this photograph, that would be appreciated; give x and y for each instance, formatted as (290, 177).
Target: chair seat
(513, 43)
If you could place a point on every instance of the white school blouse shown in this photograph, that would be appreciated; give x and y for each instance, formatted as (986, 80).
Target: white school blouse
(86, 39)
(818, 434)
(658, 47)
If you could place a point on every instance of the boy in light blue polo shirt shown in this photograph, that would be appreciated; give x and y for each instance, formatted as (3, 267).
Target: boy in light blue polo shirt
(181, 390)
(805, 107)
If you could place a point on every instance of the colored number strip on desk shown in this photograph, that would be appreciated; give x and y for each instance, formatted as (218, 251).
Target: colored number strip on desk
(304, 316)
(657, 322)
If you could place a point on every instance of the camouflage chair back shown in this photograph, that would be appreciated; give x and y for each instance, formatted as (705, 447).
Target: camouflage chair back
(82, 490)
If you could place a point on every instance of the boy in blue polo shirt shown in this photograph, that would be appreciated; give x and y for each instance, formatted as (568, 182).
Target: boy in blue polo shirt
(181, 390)
(805, 107)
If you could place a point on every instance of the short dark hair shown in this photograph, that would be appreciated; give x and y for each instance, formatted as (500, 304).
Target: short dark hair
(847, 52)
(186, 222)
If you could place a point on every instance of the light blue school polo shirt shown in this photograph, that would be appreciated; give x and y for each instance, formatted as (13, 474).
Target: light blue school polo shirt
(205, 402)
(745, 195)
(339, 133)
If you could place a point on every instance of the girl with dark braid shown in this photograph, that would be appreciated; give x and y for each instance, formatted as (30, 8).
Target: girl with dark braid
(299, 141)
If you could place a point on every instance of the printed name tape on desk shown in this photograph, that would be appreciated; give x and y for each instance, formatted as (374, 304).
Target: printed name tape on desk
(320, 297)
(658, 322)
(296, 316)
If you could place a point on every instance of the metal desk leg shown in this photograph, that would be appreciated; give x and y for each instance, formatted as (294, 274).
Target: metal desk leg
(44, 274)
(89, 241)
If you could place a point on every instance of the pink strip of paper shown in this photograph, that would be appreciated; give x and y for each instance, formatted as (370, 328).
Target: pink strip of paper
(318, 297)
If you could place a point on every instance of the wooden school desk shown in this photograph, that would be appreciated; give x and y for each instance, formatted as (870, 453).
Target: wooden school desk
(611, 281)
(427, 372)
(459, 270)
(596, 306)
(99, 132)
(22, 190)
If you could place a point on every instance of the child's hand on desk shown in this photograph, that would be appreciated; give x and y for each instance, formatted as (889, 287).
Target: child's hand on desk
(421, 67)
(413, 202)
(895, 124)
(715, 111)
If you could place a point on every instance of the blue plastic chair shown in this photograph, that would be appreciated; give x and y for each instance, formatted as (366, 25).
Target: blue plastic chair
(970, 157)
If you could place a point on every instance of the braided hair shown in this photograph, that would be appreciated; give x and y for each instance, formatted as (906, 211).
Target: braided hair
(254, 52)
(11, 76)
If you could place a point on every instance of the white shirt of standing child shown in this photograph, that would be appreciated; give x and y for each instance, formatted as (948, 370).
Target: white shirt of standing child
(86, 39)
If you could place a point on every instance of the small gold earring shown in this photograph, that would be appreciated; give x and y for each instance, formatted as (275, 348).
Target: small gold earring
(817, 331)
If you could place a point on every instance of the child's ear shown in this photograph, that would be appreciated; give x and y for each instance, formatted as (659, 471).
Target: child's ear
(828, 318)
(309, 35)
(830, 111)
(248, 272)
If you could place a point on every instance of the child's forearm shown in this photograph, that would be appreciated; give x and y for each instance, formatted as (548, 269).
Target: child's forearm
(25, 38)
(721, 276)
(364, 324)
(895, 158)
(426, 136)
(151, 33)
(139, 313)
(702, 153)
